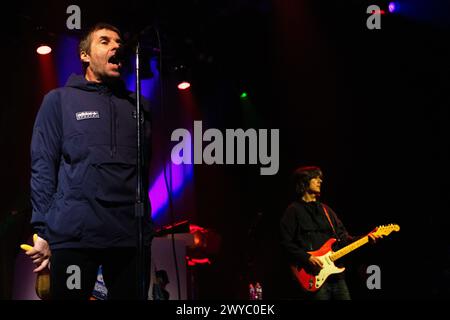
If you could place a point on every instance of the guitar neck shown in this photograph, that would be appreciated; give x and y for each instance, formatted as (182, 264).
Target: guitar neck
(349, 248)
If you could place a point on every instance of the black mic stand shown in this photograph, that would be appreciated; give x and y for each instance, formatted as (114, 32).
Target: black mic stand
(140, 202)
(139, 205)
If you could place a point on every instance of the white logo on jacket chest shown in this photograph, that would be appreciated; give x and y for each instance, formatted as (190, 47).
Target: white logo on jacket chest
(87, 115)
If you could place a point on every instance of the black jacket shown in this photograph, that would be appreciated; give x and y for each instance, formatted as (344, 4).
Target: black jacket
(304, 227)
(83, 154)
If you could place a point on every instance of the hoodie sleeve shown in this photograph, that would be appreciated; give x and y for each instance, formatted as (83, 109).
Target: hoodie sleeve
(289, 242)
(45, 156)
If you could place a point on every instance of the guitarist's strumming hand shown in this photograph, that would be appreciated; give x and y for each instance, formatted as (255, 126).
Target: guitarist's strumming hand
(40, 253)
(315, 262)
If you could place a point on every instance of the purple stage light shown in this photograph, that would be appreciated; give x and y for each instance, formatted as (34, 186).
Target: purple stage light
(159, 197)
(392, 7)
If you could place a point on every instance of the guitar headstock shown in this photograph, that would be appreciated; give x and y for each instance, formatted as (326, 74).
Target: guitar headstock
(385, 230)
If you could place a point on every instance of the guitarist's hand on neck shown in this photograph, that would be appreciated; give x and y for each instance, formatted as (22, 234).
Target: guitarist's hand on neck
(373, 237)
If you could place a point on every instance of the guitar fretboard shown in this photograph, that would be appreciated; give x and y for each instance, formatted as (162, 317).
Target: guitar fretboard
(349, 248)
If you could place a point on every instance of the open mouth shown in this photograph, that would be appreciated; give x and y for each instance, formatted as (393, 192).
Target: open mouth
(113, 60)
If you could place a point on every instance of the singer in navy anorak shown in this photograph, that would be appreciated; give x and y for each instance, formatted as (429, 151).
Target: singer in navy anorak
(83, 180)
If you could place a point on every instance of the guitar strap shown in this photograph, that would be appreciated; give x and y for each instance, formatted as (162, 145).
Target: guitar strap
(328, 217)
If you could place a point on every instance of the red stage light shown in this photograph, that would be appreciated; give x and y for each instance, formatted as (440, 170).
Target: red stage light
(184, 85)
(43, 49)
(379, 12)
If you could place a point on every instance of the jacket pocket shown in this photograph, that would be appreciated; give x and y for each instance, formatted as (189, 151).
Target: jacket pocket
(115, 177)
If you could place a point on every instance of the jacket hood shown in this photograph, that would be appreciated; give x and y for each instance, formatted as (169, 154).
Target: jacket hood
(80, 82)
(118, 88)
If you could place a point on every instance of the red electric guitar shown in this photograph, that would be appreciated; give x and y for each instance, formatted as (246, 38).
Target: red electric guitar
(312, 282)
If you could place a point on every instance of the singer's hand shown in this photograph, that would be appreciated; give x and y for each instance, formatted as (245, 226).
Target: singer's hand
(40, 253)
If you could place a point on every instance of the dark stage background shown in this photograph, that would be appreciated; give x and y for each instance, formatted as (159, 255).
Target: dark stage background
(368, 106)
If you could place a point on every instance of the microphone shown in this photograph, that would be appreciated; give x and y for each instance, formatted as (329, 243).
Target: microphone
(147, 50)
(129, 46)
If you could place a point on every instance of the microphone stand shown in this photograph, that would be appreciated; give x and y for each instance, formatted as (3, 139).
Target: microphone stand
(139, 204)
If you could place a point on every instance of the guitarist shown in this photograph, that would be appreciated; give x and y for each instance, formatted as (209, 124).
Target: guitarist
(305, 226)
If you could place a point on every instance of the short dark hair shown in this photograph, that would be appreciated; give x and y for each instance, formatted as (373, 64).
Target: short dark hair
(303, 175)
(86, 39)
